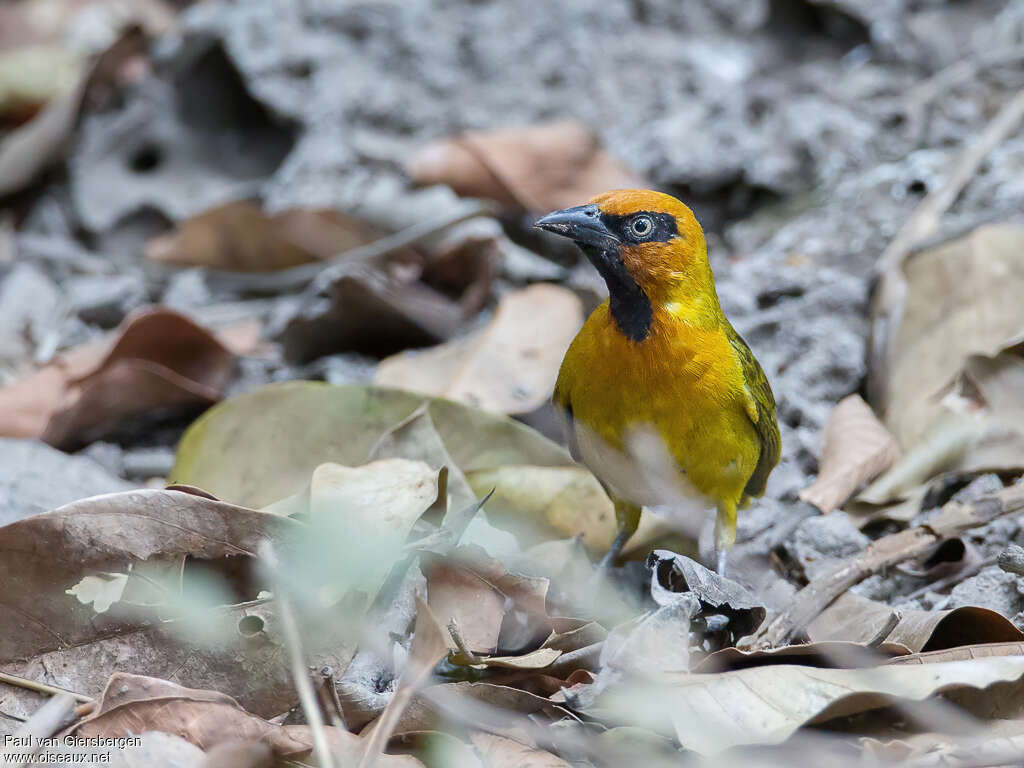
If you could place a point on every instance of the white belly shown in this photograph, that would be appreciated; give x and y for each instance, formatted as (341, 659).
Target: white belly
(645, 473)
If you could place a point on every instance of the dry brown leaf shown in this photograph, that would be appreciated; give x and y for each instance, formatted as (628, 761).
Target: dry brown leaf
(369, 311)
(536, 168)
(857, 448)
(962, 300)
(134, 703)
(248, 664)
(159, 359)
(499, 752)
(858, 619)
(239, 236)
(528, 593)
(476, 592)
(508, 367)
(458, 595)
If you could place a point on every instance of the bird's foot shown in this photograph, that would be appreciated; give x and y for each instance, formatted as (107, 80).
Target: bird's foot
(723, 556)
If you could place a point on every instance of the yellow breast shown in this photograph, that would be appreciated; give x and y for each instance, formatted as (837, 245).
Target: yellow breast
(682, 385)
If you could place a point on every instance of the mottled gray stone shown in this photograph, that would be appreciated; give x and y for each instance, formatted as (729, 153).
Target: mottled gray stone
(37, 478)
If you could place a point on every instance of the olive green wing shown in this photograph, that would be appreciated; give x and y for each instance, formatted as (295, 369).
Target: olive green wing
(760, 407)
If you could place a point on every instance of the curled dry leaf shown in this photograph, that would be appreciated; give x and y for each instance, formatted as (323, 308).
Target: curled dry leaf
(828, 654)
(675, 574)
(158, 359)
(857, 448)
(960, 653)
(239, 236)
(766, 705)
(508, 367)
(952, 520)
(857, 619)
(380, 298)
(542, 658)
(537, 168)
(363, 309)
(961, 301)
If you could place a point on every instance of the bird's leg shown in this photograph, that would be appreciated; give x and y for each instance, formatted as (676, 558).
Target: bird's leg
(627, 518)
(615, 549)
(725, 534)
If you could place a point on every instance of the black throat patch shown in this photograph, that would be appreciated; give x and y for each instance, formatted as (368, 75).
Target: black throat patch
(630, 307)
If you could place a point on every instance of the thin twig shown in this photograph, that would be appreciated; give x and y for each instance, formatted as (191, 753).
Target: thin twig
(955, 518)
(886, 629)
(49, 690)
(297, 662)
(466, 656)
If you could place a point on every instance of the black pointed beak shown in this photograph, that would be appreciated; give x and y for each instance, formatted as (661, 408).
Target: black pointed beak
(582, 223)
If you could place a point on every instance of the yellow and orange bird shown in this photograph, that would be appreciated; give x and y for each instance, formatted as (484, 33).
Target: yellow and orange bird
(660, 357)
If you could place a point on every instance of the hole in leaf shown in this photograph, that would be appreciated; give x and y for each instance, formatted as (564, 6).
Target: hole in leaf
(250, 626)
(146, 158)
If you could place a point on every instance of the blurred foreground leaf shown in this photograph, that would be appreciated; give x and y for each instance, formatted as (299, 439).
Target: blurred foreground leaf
(264, 446)
(54, 629)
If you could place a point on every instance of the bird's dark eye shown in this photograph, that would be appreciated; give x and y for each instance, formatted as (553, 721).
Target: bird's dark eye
(641, 226)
